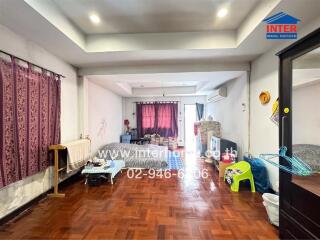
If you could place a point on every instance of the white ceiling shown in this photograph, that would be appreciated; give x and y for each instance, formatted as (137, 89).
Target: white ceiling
(314, 55)
(155, 16)
(305, 77)
(203, 82)
(308, 61)
(169, 43)
(52, 29)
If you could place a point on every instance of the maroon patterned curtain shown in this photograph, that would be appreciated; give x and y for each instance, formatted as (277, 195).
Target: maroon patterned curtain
(29, 120)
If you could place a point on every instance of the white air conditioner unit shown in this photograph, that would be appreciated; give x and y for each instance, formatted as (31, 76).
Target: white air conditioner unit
(217, 95)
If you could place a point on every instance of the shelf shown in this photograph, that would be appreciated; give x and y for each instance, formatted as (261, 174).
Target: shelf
(310, 183)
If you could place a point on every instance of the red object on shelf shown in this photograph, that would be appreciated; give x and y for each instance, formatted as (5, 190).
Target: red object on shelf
(126, 122)
(227, 157)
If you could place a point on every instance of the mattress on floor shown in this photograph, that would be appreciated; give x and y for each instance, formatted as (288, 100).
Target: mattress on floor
(136, 156)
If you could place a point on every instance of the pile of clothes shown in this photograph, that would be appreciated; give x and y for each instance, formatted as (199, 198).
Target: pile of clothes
(204, 130)
(170, 142)
(209, 126)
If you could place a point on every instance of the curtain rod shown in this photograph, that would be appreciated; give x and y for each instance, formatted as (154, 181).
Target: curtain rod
(157, 102)
(21, 59)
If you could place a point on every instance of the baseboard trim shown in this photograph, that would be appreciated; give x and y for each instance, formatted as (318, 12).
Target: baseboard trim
(22, 209)
(15, 213)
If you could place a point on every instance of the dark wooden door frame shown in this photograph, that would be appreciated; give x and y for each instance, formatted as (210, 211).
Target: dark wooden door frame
(289, 213)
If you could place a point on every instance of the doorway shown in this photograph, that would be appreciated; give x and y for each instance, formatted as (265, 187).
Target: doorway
(190, 118)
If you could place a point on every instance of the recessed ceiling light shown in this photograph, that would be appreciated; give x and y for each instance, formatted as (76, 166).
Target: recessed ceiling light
(95, 18)
(222, 12)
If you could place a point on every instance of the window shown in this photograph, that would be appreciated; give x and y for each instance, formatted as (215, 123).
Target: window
(148, 116)
(164, 116)
(158, 117)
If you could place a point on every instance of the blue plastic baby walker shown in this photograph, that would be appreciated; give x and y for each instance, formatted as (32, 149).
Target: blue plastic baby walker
(298, 167)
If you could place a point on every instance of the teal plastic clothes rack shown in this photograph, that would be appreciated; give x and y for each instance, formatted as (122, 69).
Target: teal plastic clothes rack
(298, 167)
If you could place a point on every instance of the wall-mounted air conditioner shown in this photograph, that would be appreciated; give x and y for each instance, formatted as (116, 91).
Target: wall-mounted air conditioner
(217, 95)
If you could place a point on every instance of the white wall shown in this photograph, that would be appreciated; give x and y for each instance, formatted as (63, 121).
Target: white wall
(263, 132)
(305, 119)
(232, 115)
(264, 135)
(130, 107)
(16, 194)
(104, 116)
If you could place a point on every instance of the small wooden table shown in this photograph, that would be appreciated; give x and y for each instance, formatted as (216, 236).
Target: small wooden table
(140, 141)
(112, 171)
(221, 167)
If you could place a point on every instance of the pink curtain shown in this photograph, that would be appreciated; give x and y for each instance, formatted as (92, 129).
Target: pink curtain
(29, 121)
(164, 116)
(167, 119)
(158, 117)
(149, 114)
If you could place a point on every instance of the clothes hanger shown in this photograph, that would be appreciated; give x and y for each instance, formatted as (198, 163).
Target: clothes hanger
(298, 167)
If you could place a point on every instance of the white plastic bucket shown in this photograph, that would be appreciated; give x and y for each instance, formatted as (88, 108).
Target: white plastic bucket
(271, 202)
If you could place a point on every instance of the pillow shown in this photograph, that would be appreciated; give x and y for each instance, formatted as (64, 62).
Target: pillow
(308, 153)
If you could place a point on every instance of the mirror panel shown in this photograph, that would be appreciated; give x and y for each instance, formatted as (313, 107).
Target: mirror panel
(306, 117)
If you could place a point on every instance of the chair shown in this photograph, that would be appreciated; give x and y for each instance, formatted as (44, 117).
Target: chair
(246, 174)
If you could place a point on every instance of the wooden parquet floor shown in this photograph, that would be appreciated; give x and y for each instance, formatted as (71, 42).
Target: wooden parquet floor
(173, 208)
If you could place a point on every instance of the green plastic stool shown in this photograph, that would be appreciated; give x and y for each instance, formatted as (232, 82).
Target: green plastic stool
(246, 174)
